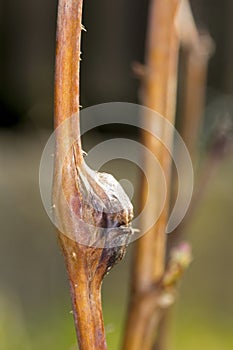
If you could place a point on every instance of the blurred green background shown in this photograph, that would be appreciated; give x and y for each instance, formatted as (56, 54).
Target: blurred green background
(34, 298)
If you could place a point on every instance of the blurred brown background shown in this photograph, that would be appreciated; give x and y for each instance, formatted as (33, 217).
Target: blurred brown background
(34, 299)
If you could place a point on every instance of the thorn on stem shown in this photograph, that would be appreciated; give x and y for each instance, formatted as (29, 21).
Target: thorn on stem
(83, 28)
(139, 70)
(84, 153)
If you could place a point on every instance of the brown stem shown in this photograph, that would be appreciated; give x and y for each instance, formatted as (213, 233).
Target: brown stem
(93, 215)
(85, 298)
(69, 29)
(193, 96)
(85, 293)
(197, 49)
(158, 93)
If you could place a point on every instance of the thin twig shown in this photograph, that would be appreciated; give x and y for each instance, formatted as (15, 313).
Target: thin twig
(197, 49)
(159, 94)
